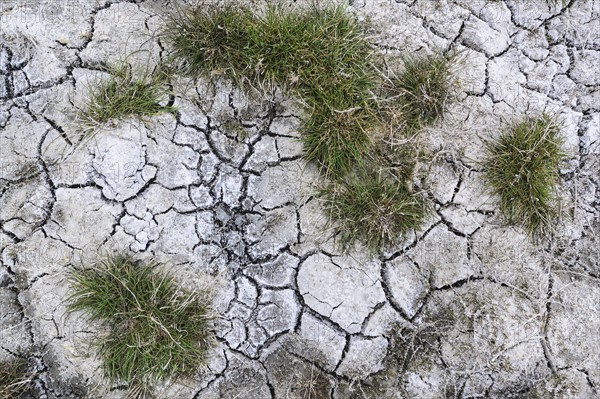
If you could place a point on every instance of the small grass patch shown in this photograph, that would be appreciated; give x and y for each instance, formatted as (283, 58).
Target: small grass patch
(322, 55)
(522, 169)
(372, 207)
(15, 378)
(422, 90)
(124, 93)
(153, 330)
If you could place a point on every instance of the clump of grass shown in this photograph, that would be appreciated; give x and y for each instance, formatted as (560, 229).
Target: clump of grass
(371, 207)
(422, 89)
(125, 93)
(522, 169)
(212, 40)
(338, 140)
(154, 330)
(321, 55)
(302, 49)
(15, 378)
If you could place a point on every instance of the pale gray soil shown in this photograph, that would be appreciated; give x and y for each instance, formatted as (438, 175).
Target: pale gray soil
(220, 192)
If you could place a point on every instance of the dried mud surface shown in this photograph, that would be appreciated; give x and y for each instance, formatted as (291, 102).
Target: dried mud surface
(221, 193)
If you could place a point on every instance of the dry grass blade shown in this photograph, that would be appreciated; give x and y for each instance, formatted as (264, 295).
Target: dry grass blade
(15, 379)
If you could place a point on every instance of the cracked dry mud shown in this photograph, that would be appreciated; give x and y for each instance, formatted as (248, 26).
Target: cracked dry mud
(221, 193)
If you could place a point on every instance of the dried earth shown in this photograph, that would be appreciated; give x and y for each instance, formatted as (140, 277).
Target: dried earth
(463, 308)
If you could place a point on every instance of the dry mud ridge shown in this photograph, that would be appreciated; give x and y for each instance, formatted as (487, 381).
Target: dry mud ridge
(220, 191)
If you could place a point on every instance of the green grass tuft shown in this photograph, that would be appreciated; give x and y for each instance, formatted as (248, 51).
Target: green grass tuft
(422, 90)
(15, 378)
(522, 169)
(321, 55)
(154, 330)
(124, 94)
(373, 208)
(338, 140)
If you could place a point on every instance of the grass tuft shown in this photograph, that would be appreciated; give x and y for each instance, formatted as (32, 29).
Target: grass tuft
(373, 208)
(338, 140)
(522, 169)
(15, 379)
(422, 90)
(322, 55)
(154, 330)
(125, 93)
